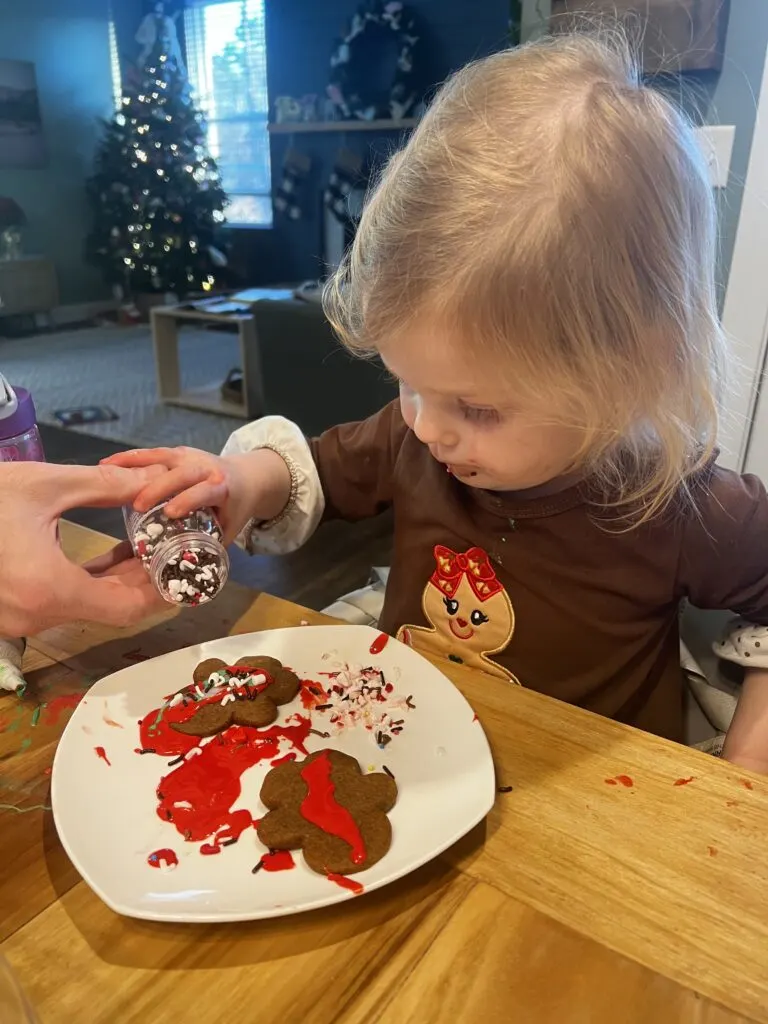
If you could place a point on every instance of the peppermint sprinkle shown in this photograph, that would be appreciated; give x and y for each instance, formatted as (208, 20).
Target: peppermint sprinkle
(363, 697)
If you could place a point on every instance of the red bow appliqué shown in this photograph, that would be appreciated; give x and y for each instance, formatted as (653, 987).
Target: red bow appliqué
(473, 564)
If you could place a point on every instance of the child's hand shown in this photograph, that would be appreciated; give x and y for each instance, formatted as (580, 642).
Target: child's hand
(240, 487)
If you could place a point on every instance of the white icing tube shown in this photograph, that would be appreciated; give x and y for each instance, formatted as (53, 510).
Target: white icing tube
(11, 653)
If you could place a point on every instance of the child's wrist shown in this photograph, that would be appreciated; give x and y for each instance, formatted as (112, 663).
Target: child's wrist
(267, 481)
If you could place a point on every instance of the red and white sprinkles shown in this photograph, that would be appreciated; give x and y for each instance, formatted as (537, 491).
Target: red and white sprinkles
(363, 696)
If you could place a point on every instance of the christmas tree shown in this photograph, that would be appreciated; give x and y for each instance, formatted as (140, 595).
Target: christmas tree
(156, 194)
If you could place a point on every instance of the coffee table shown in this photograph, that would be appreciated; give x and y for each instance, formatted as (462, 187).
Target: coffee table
(166, 321)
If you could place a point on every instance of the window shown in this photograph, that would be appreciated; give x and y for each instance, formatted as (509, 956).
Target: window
(114, 60)
(227, 56)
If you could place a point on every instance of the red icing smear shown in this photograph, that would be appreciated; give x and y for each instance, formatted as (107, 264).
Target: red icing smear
(290, 756)
(346, 883)
(101, 752)
(320, 807)
(162, 857)
(155, 728)
(312, 694)
(278, 860)
(683, 782)
(623, 780)
(198, 795)
(54, 708)
(379, 644)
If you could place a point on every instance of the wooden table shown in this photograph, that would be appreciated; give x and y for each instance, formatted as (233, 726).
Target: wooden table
(577, 900)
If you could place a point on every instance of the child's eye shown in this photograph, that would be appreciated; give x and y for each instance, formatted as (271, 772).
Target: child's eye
(479, 414)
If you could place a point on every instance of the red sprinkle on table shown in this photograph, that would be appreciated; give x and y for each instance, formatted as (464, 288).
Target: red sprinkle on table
(379, 644)
(346, 883)
(683, 782)
(278, 860)
(101, 752)
(623, 780)
(747, 784)
(162, 857)
(135, 655)
(320, 807)
(712, 851)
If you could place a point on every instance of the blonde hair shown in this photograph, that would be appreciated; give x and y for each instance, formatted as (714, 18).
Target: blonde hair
(558, 213)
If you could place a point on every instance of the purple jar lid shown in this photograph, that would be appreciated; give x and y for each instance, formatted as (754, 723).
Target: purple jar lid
(22, 419)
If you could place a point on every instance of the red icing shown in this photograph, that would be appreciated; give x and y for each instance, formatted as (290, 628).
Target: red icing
(290, 756)
(346, 883)
(160, 857)
(683, 782)
(155, 728)
(101, 752)
(379, 644)
(278, 860)
(623, 780)
(320, 807)
(312, 694)
(53, 709)
(207, 783)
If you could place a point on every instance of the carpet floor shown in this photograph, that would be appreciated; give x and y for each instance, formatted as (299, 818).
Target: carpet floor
(114, 366)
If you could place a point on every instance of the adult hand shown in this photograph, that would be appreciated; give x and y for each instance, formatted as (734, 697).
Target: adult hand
(240, 487)
(40, 586)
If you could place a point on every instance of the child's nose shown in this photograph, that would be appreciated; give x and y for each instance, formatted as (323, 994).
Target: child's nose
(430, 430)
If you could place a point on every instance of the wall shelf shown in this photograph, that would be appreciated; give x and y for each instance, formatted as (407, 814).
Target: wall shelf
(382, 125)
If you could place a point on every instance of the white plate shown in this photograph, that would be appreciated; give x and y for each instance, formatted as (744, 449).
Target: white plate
(106, 814)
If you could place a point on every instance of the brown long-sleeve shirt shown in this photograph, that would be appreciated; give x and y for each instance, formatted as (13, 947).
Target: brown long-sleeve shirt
(545, 591)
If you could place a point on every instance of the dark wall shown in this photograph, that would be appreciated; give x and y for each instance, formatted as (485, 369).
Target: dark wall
(300, 39)
(69, 46)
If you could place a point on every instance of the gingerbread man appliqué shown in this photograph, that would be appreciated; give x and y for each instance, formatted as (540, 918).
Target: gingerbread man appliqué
(469, 611)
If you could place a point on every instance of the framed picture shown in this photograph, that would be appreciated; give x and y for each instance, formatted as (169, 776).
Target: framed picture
(21, 129)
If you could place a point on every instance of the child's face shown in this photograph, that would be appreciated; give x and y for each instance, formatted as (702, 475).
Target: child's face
(470, 417)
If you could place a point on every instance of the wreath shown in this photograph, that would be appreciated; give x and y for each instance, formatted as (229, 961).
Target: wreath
(371, 31)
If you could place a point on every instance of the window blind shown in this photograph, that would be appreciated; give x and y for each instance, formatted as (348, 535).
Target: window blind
(227, 60)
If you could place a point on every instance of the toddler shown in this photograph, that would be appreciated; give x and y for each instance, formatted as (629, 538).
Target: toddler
(536, 269)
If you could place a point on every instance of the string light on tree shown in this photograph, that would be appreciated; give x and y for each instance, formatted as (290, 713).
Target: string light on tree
(155, 193)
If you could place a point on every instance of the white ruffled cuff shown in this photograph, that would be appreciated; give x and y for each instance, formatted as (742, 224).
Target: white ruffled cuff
(746, 644)
(301, 516)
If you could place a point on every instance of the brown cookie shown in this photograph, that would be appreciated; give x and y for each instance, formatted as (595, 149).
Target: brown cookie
(259, 662)
(206, 721)
(284, 686)
(206, 669)
(352, 837)
(260, 711)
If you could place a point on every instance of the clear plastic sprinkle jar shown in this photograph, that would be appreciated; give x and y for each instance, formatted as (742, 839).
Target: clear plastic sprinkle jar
(185, 558)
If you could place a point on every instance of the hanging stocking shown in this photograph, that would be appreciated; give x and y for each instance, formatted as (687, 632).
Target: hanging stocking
(347, 174)
(288, 195)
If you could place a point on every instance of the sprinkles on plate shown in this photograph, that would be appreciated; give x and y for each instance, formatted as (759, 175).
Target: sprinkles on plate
(363, 696)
